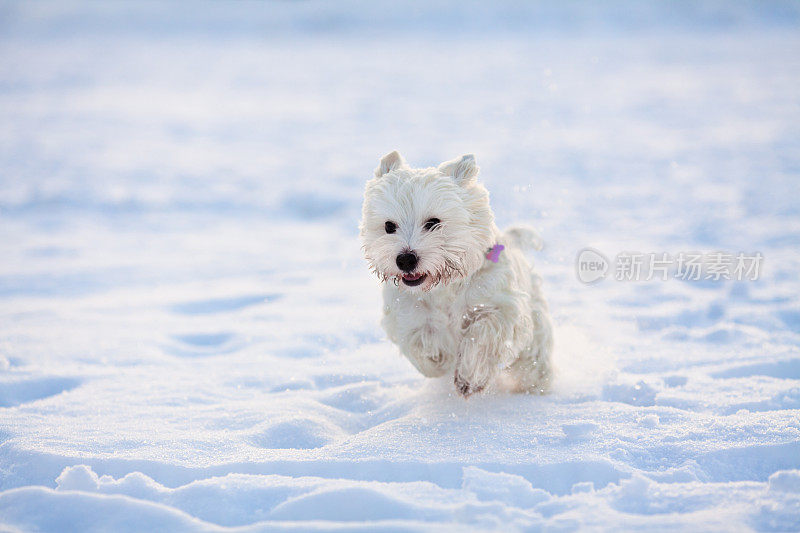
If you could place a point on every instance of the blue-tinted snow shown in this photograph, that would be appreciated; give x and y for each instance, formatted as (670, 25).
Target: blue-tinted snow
(189, 336)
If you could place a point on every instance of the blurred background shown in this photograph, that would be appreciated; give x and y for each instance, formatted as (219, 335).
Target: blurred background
(149, 145)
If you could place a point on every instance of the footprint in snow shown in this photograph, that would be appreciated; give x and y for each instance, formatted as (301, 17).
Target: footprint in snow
(356, 398)
(300, 434)
(222, 305)
(21, 391)
(787, 369)
(204, 344)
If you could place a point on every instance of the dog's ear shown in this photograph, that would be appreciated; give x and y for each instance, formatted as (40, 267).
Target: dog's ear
(463, 169)
(389, 162)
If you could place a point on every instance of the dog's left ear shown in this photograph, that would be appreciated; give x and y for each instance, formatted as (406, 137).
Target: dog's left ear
(463, 170)
(389, 162)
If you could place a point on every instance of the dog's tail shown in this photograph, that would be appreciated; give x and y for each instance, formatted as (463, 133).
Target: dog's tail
(523, 237)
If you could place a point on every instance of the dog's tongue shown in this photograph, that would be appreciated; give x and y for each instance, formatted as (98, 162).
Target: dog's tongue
(411, 277)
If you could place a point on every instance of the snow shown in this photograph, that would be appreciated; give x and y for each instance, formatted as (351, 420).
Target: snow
(189, 336)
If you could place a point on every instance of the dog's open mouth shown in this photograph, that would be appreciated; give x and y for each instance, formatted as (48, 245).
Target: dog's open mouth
(412, 280)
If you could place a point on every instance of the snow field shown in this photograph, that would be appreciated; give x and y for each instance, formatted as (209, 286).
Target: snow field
(189, 336)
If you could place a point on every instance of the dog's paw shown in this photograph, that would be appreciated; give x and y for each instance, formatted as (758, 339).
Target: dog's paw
(465, 388)
(431, 366)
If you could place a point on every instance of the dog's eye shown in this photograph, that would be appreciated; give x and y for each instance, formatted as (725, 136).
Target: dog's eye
(390, 226)
(431, 223)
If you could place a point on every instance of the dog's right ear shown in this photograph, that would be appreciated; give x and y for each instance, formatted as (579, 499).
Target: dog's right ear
(463, 169)
(389, 162)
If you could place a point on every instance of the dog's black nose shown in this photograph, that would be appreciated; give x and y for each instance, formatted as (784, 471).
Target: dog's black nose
(407, 261)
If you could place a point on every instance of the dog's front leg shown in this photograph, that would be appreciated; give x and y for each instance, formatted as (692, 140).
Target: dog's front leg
(482, 351)
(426, 354)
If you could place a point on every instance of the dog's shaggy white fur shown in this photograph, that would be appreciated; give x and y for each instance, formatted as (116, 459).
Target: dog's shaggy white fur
(426, 233)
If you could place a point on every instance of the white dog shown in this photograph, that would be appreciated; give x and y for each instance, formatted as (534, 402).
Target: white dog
(462, 299)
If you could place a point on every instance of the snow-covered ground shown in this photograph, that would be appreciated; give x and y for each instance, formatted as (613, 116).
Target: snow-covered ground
(190, 339)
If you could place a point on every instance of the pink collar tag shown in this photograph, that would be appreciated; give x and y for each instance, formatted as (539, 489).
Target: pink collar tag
(493, 254)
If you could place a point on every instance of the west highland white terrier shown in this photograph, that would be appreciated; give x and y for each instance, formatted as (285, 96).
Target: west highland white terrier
(459, 296)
